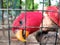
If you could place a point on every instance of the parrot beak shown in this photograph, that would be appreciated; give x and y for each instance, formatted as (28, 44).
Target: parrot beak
(19, 35)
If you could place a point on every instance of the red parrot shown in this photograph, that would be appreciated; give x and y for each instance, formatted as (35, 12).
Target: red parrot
(31, 21)
(54, 16)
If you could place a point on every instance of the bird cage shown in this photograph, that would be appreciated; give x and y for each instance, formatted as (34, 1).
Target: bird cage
(10, 9)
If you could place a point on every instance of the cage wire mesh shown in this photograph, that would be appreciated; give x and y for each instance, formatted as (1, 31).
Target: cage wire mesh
(10, 9)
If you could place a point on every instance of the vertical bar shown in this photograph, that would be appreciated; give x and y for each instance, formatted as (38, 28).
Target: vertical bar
(25, 20)
(42, 19)
(32, 4)
(58, 21)
(56, 37)
(2, 18)
(8, 26)
(49, 2)
(0, 4)
(20, 4)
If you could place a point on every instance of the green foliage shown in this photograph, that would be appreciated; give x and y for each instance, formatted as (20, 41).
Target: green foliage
(31, 5)
(5, 3)
(53, 2)
(11, 3)
(46, 2)
(35, 6)
(16, 3)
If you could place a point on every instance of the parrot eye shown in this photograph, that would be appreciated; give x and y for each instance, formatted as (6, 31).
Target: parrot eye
(21, 22)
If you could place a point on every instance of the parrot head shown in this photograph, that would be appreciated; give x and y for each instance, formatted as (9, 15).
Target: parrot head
(53, 14)
(29, 22)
